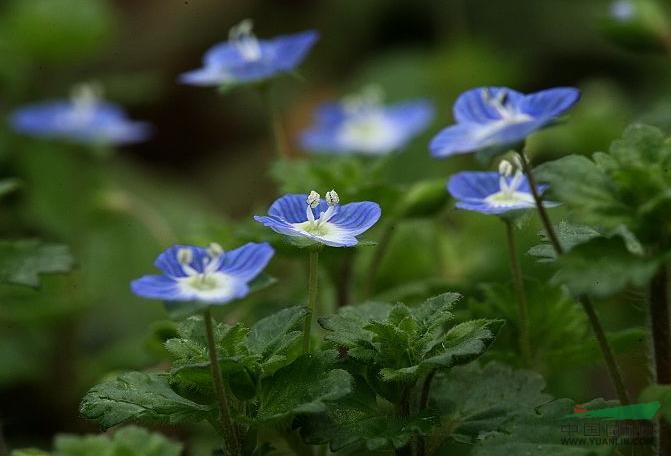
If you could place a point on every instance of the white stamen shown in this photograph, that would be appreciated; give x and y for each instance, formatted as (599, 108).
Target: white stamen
(243, 39)
(313, 199)
(215, 250)
(184, 256)
(505, 168)
(370, 98)
(332, 198)
(84, 98)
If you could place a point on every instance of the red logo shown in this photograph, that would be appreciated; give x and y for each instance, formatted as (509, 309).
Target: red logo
(579, 408)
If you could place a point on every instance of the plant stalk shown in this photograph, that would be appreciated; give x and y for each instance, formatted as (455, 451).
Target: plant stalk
(660, 324)
(313, 263)
(522, 305)
(423, 403)
(227, 426)
(279, 135)
(378, 256)
(585, 301)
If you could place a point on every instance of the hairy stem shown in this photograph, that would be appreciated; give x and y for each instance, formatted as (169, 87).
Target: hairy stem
(227, 426)
(275, 117)
(423, 403)
(606, 350)
(404, 412)
(378, 256)
(522, 306)
(313, 263)
(661, 340)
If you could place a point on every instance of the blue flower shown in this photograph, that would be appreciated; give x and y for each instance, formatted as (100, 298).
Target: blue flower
(82, 119)
(361, 124)
(498, 117)
(244, 58)
(312, 220)
(206, 275)
(492, 192)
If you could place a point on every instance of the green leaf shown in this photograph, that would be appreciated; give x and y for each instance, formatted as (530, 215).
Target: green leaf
(602, 267)
(360, 422)
(21, 262)
(274, 339)
(29, 452)
(539, 431)
(306, 386)
(139, 396)
(476, 400)
(569, 236)
(423, 199)
(661, 393)
(462, 344)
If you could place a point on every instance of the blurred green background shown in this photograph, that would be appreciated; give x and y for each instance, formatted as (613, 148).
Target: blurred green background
(207, 168)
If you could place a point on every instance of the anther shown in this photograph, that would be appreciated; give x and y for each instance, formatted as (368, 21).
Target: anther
(332, 198)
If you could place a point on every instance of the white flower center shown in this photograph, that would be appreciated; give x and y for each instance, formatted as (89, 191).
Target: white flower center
(366, 127)
(243, 39)
(319, 226)
(210, 283)
(508, 194)
(500, 103)
(84, 99)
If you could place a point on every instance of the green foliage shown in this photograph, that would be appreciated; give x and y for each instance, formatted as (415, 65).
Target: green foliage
(306, 386)
(404, 343)
(627, 186)
(138, 396)
(661, 393)
(8, 186)
(22, 262)
(126, 441)
(539, 431)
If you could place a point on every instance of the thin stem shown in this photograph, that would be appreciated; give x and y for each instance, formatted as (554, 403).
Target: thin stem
(227, 426)
(313, 263)
(343, 288)
(518, 283)
(423, 403)
(585, 301)
(378, 256)
(404, 412)
(276, 126)
(661, 325)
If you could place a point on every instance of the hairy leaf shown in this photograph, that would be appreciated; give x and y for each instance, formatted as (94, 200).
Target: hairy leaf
(142, 397)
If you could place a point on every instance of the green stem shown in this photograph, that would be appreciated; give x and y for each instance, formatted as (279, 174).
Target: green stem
(279, 136)
(227, 426)
(313, 263)
(522, 306)
(661, 339)
(378, 256)
(585, 301)
(423, 403)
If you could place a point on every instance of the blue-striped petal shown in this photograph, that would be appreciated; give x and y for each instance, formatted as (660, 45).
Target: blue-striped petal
(355, 218)
(248, 261)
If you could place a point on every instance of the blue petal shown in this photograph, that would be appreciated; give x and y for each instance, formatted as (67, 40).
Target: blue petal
(476, 185)
(169, 264)
(457, 139)
(279, 225)
(322, 136)
(157, 287)
(357, 217)
(472, 107)
(550, 103)
(248, 261)
(206, 76)
(288, 51)
(412, 117)
(290, 207)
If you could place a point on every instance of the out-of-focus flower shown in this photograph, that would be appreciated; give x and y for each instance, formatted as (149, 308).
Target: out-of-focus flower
(244, 58)
(85, 118)
(498, 117)
(362, 124)
(492, 192)
(312, 220)
(206, 275)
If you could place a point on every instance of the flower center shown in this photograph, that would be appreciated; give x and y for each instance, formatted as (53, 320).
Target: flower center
(508, 194)
(243, 39)
(319, 225)
(207, 277)
(501, 104)
(84, 99)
